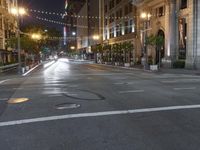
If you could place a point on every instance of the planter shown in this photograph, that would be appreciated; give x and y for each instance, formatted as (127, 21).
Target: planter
(116, 63)
(127, 64)
(154, 67)
(23, 70)
(132, 63)
(108, 63)
(27, 68)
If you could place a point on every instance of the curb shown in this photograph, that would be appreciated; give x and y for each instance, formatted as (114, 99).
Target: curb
(47, 65)
(127, 68)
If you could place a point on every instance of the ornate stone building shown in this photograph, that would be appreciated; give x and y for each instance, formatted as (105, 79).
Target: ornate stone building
(8, 26)
(118, 21)
(177, 21)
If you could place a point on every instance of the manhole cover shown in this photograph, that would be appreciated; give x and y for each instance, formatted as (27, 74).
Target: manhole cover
(67, 106)
(17, 100)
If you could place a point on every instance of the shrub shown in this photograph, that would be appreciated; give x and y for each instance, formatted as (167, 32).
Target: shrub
(1, 63)
(179, 64)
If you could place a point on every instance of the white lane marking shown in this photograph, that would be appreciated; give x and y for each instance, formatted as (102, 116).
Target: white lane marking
(20, 88)
(73, 86)
(130, 83)
(97, 114)
(188, 88)
(174, 81)
(72, 94)
(181, 80)
(52, 92)
(49, 64)
(56, 95)
(133, 91)
(4, 81)
(127, 83)
(120, 83)
(30, 71)
(3, 99)
(92, 69)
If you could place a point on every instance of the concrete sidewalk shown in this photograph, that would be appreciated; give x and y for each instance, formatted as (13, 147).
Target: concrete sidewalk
(179, 71)
(162, 70)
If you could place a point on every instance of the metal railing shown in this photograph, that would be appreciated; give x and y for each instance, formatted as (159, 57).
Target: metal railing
(8, 67)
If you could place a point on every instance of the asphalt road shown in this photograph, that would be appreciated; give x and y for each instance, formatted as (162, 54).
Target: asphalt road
(80, 106)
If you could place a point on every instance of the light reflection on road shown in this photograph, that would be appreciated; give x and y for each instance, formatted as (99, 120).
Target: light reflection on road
(55, 74)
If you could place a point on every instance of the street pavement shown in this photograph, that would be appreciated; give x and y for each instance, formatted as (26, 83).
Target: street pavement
(73, 105)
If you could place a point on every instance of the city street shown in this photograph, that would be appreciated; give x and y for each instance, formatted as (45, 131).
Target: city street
(74, 105)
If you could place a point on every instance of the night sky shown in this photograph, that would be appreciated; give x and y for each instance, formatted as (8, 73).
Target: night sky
(44, 5)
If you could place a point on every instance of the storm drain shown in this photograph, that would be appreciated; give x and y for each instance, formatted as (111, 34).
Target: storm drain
(17, 100)
(67, 106)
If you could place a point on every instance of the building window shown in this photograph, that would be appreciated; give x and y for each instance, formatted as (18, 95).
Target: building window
(119, 30)
(119, 14)
(1, 21)
(130, 26)
(111, 4)
(106, 34)
(130, 7)
(126, 8)
(182, 38)
(126, 27)
(118, 1)
(106, 22)
(183, 4)
(160, 11)
(112, 18)
(106, 8)
(112, 30)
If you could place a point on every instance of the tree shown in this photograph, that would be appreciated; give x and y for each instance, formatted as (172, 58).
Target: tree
(157, 42)
(107, 50)
(127, 47)
(34, 47)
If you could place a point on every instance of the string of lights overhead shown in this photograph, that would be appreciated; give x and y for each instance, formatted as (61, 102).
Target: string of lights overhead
(51, 21)
(61, 23)
(86, 17)
(73, 15)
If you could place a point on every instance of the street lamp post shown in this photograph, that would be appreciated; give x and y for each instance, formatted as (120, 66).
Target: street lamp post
(96, 39)
(145, 18)
(18, 11)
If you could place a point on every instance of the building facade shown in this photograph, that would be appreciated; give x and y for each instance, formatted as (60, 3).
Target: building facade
(72, 7)
(88, 26)
(118, 21)
(8, 26)
(176, 21)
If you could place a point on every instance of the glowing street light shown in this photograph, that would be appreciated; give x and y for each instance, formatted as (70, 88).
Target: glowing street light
(96, 37)
(145, 16)
(36, 36)
(14, 11)
(18, 11)
(72, 47)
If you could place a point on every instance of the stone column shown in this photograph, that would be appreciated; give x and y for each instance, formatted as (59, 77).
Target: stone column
(197, 33)
(172, 42)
